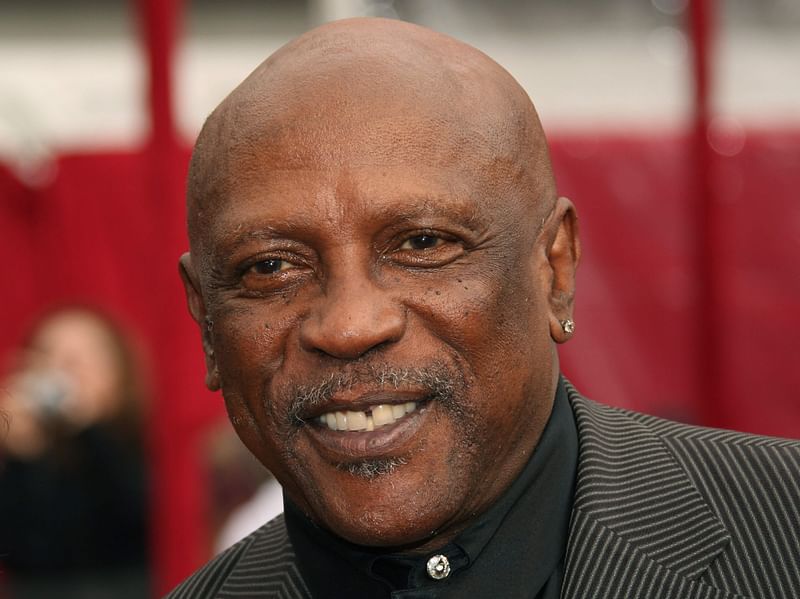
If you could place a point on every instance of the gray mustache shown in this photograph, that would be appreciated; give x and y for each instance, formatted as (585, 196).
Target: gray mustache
(437, 381)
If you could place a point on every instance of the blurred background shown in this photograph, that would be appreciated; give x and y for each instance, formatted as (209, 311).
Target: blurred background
(674, 127)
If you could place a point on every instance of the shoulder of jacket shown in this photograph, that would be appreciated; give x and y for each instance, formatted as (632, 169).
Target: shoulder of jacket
(267, 544)
(602, 415)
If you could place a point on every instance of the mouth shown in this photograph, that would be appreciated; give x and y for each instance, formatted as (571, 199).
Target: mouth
(375, 426)
(368, 420)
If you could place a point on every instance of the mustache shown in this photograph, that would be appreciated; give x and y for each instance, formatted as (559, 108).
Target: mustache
(437, 381)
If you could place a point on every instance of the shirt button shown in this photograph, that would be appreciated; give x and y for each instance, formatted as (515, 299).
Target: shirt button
(438, 567)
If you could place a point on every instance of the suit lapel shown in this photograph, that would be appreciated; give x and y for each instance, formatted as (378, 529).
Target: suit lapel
(639, 527)
(267, 569)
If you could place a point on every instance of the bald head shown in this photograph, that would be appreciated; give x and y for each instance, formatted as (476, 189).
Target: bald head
(377, 91)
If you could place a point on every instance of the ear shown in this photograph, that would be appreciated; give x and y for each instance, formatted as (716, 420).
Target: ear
(563, 251)
(197, 308)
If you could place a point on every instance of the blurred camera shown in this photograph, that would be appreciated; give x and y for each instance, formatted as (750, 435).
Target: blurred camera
(45, 391)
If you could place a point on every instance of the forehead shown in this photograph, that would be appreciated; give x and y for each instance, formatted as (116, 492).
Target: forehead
(351, 197)
(68, 325)
(341, 132)
(395, 167)
(362, 133)
(72, 335)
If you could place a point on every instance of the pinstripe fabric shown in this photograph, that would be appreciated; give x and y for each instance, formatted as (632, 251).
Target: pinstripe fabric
(753, 483)
(662, 511)
(665, 510)
(260, 565)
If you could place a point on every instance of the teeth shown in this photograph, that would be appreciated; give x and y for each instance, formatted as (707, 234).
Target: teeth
(366, 421)
(341, 421)
(356, 421)
(382, 415)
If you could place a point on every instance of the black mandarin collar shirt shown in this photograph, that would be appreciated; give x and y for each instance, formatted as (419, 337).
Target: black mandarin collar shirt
(515, 549)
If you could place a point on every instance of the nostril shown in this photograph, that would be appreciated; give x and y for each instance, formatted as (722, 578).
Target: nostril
(350, 329)
(349, 355)
(349, 346)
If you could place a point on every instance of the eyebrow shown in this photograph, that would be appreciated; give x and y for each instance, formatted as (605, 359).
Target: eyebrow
(428, 206)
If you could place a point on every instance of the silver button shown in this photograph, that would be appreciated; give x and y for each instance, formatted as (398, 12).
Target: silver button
(438, 567)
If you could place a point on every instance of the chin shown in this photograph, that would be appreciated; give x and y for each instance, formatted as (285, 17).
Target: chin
(382, 504)
(381, 530)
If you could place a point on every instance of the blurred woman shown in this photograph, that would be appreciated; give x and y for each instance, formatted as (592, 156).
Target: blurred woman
(72, 477)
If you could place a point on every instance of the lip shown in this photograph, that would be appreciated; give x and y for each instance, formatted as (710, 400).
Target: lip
(388, 440)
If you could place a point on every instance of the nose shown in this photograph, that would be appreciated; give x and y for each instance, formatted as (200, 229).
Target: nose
(352, 317)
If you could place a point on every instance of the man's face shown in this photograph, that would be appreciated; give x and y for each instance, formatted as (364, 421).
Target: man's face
(395, 284)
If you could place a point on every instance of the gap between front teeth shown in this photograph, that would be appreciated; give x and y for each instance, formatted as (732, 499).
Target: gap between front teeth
(367, 421)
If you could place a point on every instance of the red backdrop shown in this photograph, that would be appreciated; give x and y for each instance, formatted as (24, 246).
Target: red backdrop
(98, 232)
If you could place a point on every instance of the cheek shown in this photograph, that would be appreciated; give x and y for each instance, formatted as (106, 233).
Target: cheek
(498, 327)
(487, 315)
(249, 346)
(250, 342)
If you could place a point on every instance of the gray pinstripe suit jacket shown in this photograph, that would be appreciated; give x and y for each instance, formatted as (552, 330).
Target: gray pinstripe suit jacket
(662, 511)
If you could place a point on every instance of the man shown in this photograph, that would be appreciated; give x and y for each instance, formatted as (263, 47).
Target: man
(381, 268)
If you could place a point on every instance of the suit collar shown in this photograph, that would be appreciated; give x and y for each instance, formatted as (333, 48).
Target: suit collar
(631, 491)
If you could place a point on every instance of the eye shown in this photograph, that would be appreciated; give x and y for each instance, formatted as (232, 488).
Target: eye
(270, 266)
(421, 242)
(266, 275)
(427, 249)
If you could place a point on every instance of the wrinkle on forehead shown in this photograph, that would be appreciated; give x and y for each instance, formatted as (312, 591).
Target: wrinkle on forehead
(371, 90)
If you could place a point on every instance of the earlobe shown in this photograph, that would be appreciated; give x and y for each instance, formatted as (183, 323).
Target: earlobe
(563, 255)
(197, 308)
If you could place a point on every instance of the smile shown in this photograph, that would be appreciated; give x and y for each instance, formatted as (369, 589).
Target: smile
(379, 424)
(369, 420)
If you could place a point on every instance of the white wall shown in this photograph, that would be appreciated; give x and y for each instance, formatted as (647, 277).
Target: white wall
(72, 75)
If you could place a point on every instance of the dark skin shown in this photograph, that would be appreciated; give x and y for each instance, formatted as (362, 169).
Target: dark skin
(377, 198)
